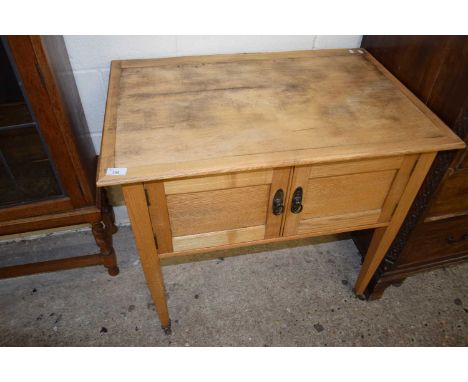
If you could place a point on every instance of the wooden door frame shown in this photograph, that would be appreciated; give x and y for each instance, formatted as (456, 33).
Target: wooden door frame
(32, 66)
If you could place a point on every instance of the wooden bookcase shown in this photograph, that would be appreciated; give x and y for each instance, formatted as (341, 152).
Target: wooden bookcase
(47, 159)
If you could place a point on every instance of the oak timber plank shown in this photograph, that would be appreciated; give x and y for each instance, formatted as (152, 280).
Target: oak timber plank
(218, 182)
(355, 167)
(338, 223)
(218, 238)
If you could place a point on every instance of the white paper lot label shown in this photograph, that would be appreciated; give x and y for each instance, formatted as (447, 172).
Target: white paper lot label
(116, 171)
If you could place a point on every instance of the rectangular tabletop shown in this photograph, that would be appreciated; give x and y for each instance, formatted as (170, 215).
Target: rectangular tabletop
(190, 116)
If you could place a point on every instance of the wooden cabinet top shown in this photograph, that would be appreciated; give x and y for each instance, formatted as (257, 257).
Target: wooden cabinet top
(189, 116)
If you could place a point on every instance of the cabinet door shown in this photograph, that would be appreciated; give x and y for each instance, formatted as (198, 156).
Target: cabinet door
(217, 210)
(27, 174)
(345, 196)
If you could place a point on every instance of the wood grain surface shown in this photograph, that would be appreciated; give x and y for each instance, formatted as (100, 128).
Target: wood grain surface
(215, 114)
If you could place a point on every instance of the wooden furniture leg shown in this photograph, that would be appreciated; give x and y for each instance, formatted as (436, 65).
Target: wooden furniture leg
(102, 232)
(135, 199)
(108, 215)
(383, 237)
(103, 239)
(103, 227)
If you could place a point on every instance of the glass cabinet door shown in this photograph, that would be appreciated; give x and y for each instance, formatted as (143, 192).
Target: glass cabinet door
(27, 173)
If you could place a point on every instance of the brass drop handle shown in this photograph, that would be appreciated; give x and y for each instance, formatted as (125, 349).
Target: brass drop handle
(296, 203)
(278, 202)
(452, 240)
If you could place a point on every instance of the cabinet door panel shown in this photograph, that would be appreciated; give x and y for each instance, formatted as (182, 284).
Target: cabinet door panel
(346, 194)
(216, 210)
(342, 197)
(208, 211)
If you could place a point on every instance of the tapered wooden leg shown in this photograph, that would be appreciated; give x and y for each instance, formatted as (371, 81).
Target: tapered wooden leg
(383, 237)
(135, 200)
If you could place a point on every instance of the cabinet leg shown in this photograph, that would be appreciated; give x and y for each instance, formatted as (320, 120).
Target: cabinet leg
(383, 237)
(135, 200)
(103, 238)
(108, 215)
(372, 259)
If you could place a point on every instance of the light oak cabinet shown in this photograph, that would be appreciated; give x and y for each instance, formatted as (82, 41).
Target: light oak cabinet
(217, 152)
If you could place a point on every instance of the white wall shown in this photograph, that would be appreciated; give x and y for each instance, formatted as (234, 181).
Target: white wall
(90, 58)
